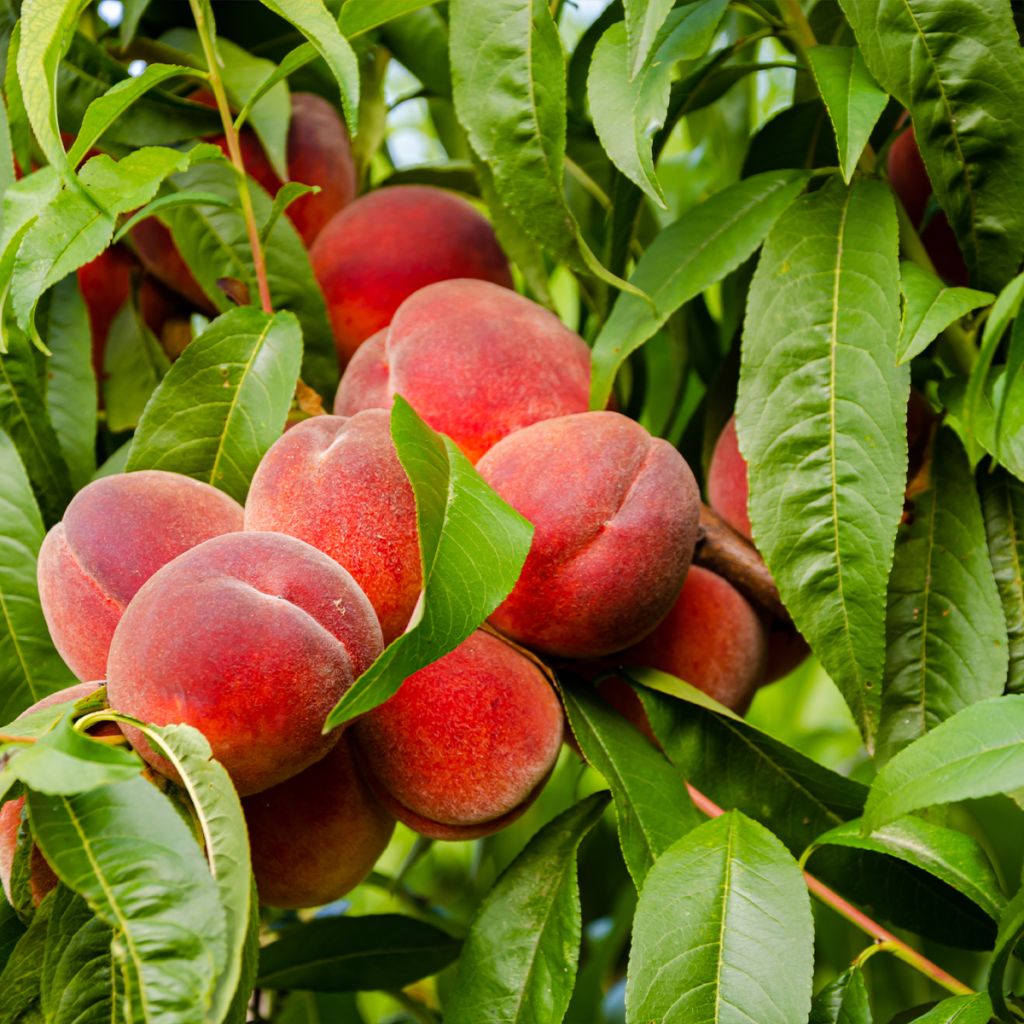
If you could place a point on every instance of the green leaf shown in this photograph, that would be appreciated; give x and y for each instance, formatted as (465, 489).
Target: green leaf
(977, 752)
(292, 61)
(46, 28)
(127, 851)
(21, 977)
(946, 636)
(854, 99)
(238, 1012)
(286, 195)
(218, 813)
(1014, 368)
(821, 418)
(214, 242)
(929, 307)
(11, 930)
(644, 19)
(1003, 503)
(954, 857)
(23, 417)
(134, 363)
(359, 16)
(690, 255)
(747, 911)
(224, 402)
(172, 200)
(132, 14)
(105, 111)
(70, 379)
(957, 66)
(63, 762)
(844, 1001)
(472, 547)
(508, 76)
(519, 961)
(314, 21)
(976, 1009)
(983, 433)
(651, 803)
(1011, 931)
(355, 954)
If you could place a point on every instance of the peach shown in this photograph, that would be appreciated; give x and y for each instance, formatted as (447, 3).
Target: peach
(712, 639)
(727, 481)
(786, 650)
(615, 514)
(41, 876)
(336, 483)
(387, 245)
(116, 532)
(316, 836)
(251, 638)
(475, 360)
(466, 744)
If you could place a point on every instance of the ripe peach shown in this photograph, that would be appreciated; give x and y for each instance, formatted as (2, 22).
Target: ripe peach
(466, 744)
(388, 244)
(336, 483)
(727, 481)
(476, 361)
(786, 649)
(115, 534)
(41, 876)
(251, 638)
(615, 514)
(316, 836)
(160, 256)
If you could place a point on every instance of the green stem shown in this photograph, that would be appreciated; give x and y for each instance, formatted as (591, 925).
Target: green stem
(797, 25)
(235, 153)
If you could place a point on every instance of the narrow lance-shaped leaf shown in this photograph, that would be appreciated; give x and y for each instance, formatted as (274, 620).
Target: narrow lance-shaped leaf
(224, 402)
(651, 803)
(20, 981)
(30, 667)
(853, 98)
(359, 16)
(472, 547)
(1011, 931)
(718, 914)
(129, 853)
(644, 18)
(976, 1009)
(946, 637)
(1003, 505)
(957, 66)
(699, 249)
(519, 961)
(977, 752)
(843, 1001)
(134, 363)
(1004, 429)
(929, 307)
(821, 418)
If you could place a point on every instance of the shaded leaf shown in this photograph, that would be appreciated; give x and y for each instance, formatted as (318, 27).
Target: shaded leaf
(472, 547)
(519, 960)
(1011, 931)
(844, 1001)
(821, 419)
(21, 976)
(693, 253)
(355, 954)
(224, 402)
(719, 912)
(359, 16)
(171, 200)
(134, 363)
(976, 1009)
(1003, 505)
(652, 806)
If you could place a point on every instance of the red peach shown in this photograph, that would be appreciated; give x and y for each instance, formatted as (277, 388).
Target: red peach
(389, 244)
(466, 744)
(786, 650)
(251, 638)
(727, 481)
(476, 361)
(615, 514)
(115, 534)
(160, 256)
(336, 483)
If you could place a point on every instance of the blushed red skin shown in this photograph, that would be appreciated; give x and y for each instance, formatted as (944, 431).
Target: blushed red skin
(910, 182)
(727, 481)
(160, 256)
(41, 877)
(336, 483)
(615, 514)
(786, 650)
(475, 360)
(466, 744)
(391, 243)
(712, 639)
(316, 836)
(251, 638)
(116, 532)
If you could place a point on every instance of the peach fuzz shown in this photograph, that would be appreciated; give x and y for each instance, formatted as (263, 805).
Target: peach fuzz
(116, 532)
(41, 876)
(332, 481)
(466, 744)
(476, 361)
(615, 514)
(251, 638)
(391, 243)
(316, 836)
